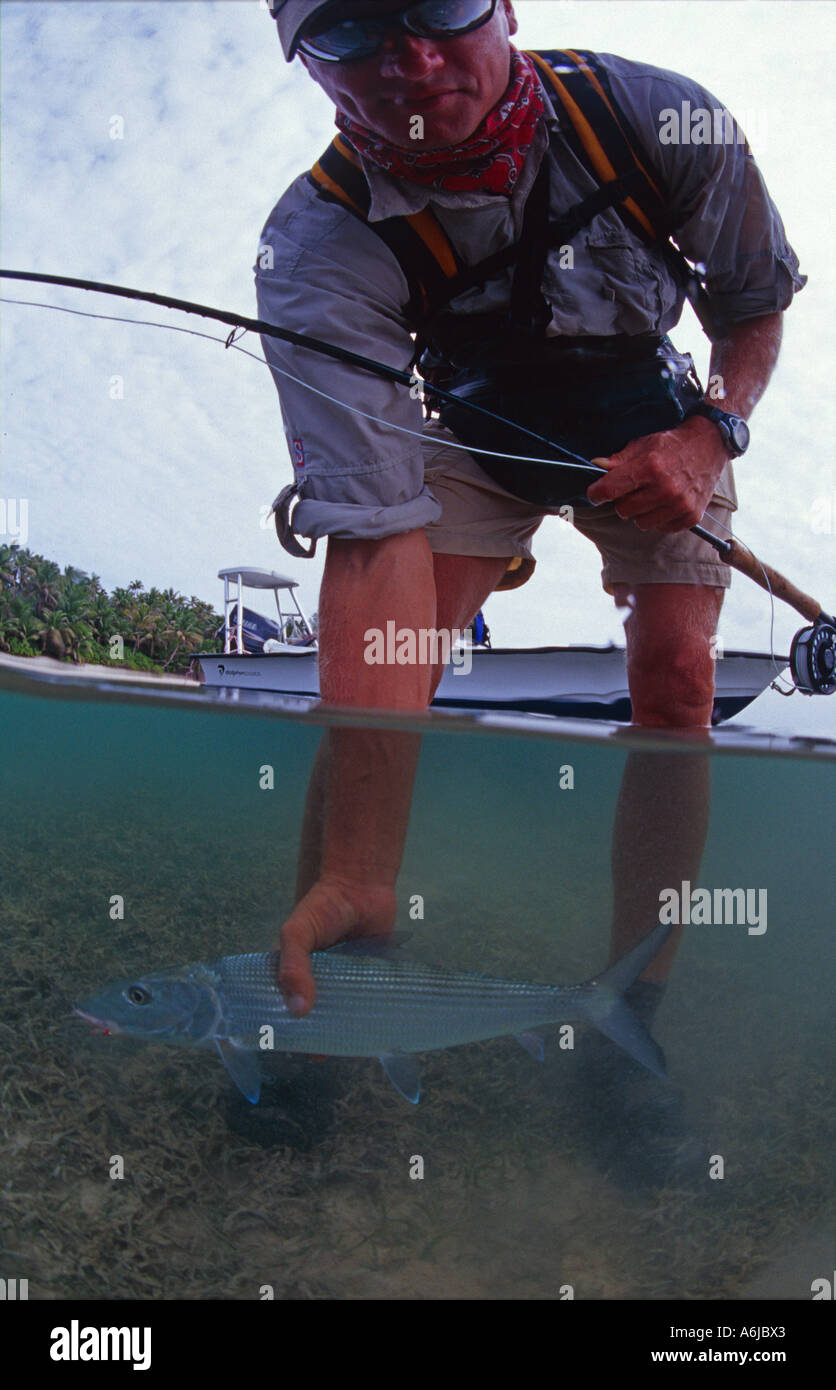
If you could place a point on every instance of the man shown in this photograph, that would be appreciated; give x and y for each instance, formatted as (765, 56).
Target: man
(417, 530)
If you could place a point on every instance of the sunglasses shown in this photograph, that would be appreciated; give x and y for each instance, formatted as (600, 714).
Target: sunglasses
(352, 39)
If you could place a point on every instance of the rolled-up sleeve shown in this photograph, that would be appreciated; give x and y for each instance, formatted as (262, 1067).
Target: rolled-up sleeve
(356, 473)
(723, 215)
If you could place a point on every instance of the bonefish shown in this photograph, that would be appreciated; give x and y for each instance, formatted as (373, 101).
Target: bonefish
(372, 1001)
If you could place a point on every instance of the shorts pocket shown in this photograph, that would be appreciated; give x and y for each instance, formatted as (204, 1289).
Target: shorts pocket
(724, 489)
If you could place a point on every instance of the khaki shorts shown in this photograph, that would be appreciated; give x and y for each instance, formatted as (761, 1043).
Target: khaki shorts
(480, 518)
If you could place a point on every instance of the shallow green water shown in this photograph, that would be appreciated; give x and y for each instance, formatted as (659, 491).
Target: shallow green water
(535, 1176)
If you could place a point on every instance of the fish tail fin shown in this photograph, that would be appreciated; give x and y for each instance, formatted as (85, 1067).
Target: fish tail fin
(605, 1007)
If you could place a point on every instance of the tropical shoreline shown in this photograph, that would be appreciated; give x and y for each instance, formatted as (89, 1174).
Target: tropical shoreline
(90, 671)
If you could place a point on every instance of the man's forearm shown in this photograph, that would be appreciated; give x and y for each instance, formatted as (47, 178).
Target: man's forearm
(741, 365)
(743, 362)
(370, 772)
(664, 481)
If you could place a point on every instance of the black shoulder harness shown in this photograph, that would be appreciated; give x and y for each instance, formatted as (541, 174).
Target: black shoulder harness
(605, 143)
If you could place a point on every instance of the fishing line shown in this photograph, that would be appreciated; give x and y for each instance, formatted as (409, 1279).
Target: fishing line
(272, 330)
(229, 342)
(779, 670)
(813, 654)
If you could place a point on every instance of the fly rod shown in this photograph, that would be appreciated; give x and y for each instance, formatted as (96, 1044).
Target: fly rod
(813, 652)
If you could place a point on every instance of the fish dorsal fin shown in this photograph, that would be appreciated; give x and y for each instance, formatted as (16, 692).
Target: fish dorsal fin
(402, 1071)
(242, 1066)
(385, 945)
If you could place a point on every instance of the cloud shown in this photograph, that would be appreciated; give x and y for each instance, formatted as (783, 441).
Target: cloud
(166, 483)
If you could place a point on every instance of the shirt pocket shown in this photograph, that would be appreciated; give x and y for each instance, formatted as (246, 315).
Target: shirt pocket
(630, 278)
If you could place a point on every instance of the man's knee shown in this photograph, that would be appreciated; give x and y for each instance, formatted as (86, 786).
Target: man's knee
(673, 686)
(670, 661)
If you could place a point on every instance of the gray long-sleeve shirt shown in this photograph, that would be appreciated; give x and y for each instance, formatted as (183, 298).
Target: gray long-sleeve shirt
(322, 271)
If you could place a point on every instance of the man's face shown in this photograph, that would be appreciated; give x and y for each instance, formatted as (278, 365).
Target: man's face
(451, 83)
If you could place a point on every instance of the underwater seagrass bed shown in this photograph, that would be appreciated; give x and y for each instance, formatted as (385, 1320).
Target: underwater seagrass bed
(162, 806)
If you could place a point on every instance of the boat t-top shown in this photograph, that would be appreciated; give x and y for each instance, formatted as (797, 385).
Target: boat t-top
(246, 631)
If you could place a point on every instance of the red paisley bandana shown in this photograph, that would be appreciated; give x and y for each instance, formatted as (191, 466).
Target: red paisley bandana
(490, 160)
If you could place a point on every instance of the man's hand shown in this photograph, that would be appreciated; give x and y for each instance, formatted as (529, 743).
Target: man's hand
(664, 481)
(331, 911)
(360, 792)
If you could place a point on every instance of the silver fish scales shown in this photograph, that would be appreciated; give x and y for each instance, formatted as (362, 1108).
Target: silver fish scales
(371, 1002)
(367, 1005)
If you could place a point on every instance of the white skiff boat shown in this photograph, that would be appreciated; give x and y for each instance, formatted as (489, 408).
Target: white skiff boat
(280, 654)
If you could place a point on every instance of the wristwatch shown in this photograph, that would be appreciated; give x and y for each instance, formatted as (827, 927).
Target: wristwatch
(733, 428)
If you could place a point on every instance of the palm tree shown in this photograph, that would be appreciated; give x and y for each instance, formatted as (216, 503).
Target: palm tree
(147, 624)
(56, 633)
(69, 621)
(105, 620)
(23, 569)
(69, 614)
(22, 623)
(73, 576)
(46, 582)
(186, 631)
(9, 565)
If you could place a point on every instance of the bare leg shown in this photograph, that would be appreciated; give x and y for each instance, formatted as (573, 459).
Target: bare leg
(639, 1129)
(462, 582)
(661, 821)
(663, 807)
(313, 822)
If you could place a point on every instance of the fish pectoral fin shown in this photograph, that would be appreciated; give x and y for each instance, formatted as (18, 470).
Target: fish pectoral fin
(402, 1071)
(533, 1044)
(242, 1066)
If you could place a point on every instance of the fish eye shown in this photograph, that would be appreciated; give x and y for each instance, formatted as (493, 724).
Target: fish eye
(138, 994)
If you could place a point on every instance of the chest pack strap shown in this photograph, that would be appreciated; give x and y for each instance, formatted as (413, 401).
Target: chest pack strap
(602, 139)
(601, 136)
(605, 141)
(417, 240)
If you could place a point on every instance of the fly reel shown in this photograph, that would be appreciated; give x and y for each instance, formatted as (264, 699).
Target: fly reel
(813, 657)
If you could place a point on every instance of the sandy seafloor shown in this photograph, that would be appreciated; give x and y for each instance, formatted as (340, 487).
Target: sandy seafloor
(522, 1194)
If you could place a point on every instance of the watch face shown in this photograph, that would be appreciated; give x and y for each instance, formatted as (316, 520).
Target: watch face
(739, 431)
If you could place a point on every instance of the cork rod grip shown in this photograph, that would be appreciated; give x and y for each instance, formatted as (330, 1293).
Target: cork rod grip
(769, 578)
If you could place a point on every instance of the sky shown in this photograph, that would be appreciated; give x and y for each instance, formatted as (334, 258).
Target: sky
(145, 143)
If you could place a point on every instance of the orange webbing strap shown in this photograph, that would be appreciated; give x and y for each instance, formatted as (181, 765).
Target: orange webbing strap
(436, 240)
(589, 135)
(418, 241)
(338, 172)
(591, 76)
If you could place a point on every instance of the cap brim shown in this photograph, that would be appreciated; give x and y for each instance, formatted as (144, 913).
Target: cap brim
(293, 18)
